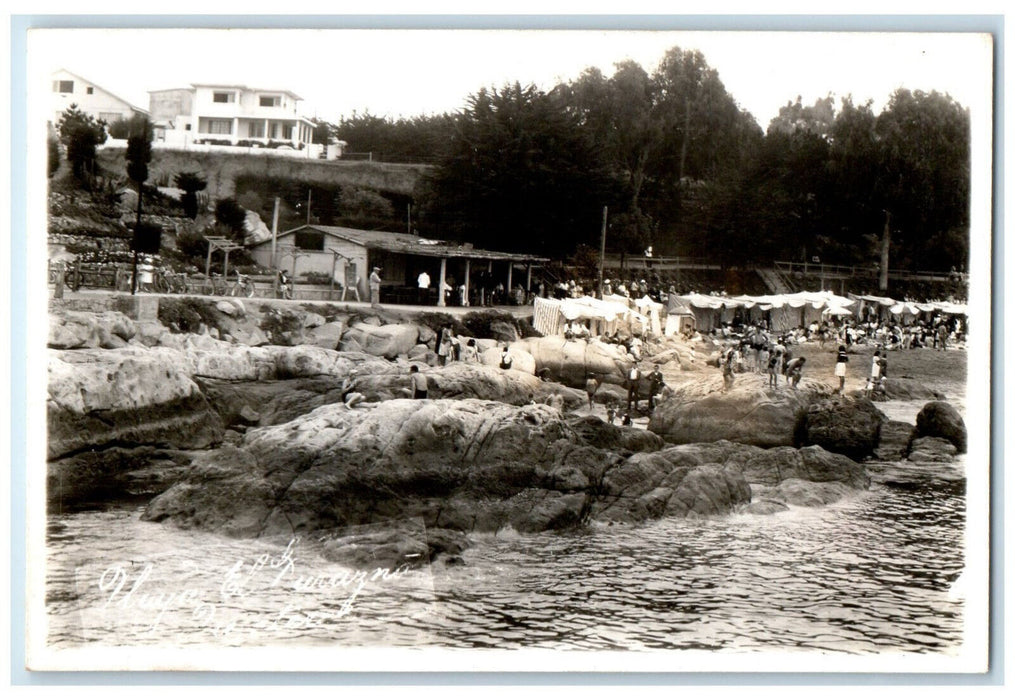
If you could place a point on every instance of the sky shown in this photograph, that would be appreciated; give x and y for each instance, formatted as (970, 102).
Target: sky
(405, 73)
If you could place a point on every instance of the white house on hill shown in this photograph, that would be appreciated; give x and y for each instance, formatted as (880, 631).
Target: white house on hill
(96, 102)
(235, 115)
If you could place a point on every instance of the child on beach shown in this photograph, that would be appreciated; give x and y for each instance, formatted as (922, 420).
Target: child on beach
(840, 367)
(774, 360)
(611, 414)
(874, 378)
(727, 371)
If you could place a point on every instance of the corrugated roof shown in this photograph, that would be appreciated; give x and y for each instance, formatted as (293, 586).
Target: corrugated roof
(411, 245)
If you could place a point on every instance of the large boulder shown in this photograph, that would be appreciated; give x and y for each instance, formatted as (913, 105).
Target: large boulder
(931, 449)
(254, 230)
(521, 360)
(387, 341)
(812, 463)
(940, 419)
(325, 335)
(131, 396)
(848, 426)
(76, 329)
(462, 465)
(750, 413)
(571, 361)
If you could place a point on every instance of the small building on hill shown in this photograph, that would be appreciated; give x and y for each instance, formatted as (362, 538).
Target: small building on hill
(347, 256)
(97, 102)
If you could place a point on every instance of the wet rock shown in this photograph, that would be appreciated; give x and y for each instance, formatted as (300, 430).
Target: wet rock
(940, 419)
(848, 426)
(750, 413)
(812, 464)
(931, 449)
(100, 477)
(765, 507)
(894, 441)
(390, 547)
(800, 492)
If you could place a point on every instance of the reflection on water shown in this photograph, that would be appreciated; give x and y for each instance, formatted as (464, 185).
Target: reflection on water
(870, 573)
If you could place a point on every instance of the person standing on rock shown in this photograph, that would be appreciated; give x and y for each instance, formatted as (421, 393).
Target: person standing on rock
(418, 383)
(727, 372)
(591, 387)
(633, 379)
(875, 376)
(444, 348)
(840, 367)
(375, 286)
(774, 360)
(656, 385)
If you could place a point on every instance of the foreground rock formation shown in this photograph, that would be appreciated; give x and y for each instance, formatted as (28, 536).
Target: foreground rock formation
(471, 465)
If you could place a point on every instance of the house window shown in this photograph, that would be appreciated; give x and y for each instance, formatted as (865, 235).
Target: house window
(255, 130)
(309, 240)
(63, 86)
(223, 97)
(220, 126)
(270, 101)
(90, 90)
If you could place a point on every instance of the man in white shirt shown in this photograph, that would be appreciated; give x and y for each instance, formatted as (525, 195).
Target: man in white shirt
(423, 281)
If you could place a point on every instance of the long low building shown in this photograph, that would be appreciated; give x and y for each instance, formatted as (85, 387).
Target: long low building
(347, 255)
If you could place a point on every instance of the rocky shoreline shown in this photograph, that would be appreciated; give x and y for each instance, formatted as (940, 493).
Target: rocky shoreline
(251, 440)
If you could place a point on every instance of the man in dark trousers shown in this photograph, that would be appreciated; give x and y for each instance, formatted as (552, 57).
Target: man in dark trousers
(656, 385)
(633, 379)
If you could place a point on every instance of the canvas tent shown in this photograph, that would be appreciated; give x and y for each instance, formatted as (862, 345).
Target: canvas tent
(600, 315)
(782, 311)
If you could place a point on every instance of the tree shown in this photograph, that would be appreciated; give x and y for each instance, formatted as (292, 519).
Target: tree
(53, 155)
(231, 216)
(191, 183)
(519, 176)
(80, 134)
(139, 154)
(924, 140)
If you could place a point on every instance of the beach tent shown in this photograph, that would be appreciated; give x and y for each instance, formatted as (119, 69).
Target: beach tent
(679, 317)
(652, 310)
(601, 315)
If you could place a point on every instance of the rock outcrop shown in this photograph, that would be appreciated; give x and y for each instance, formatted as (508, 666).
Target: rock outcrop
(72, 329)
(750, 413)
(848, 426)
(463, 465)
(940, 419)
(571, 361)
(131, 396)
(387, 341)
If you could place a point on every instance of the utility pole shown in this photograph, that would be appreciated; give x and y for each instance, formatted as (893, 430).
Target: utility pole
(602, 254)
(274, 235)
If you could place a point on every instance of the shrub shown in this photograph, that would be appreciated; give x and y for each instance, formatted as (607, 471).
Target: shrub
(191, 183)
(435, 320)
(527, 330)
(478, 322)
(281, 325)
(186, 315)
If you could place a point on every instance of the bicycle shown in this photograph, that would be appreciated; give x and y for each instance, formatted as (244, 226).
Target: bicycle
(213, 285)
(243, 286)
(169, 282)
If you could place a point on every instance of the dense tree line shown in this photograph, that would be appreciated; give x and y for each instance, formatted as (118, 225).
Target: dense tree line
(684, 169)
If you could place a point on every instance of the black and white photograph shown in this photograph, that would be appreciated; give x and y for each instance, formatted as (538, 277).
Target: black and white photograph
(508, 350)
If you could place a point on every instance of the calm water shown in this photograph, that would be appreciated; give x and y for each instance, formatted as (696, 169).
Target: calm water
(870, 573)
